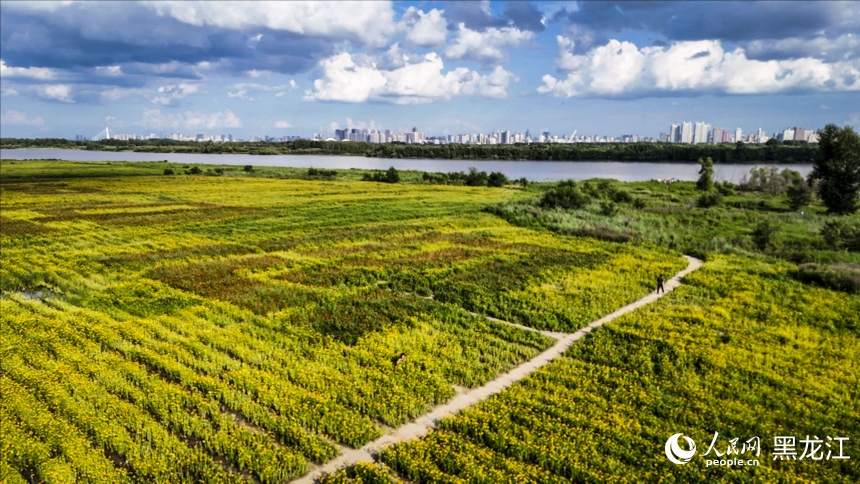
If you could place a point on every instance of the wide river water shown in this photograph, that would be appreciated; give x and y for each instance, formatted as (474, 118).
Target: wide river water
(533, 170)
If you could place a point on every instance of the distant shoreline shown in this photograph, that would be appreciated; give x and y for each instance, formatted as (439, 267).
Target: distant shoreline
(791, 153)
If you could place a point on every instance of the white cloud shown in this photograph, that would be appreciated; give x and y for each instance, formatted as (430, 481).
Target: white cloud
(117, 93)
(844, 48)
(351, 79)
(254, 73)
(18, 118)
(368, 22)
(346, 81)
(112, 71)
(486, 46)
(154, 118)
(40, 73)
(57, 92)
(283, 125)
(424, 29)
(621, 68)
(242, 90)
(171, 93)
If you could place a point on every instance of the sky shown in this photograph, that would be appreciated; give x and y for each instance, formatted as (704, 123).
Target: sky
(250, 69)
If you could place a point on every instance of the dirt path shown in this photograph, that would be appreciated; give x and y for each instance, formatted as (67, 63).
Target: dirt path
(422, 425)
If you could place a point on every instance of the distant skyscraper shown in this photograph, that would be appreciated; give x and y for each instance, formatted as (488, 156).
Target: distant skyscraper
(687, 132)
(675, 133)
(800, 134)
(717, 137)
(700, 135)
(738, 135)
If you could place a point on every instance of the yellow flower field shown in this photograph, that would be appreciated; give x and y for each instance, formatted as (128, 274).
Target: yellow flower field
(227, 329)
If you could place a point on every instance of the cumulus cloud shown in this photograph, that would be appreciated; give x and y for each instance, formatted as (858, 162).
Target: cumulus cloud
(366, 22)
(619, 69)
(243, 90)
(424, 29)
(349, 78)
(283, 124)
(154, 118)
(170, 94)
(842, 48)
(18, 118)
(111, 71)
(39, 73)
(55, 92)
(485, 46)
(112, 94)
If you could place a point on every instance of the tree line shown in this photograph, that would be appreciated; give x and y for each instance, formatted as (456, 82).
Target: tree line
(789, 152)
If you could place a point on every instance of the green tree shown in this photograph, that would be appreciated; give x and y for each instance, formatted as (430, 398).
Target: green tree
(706, 175)
(391, 176)
(764, 235)
(837, 169)
(476, 178)
(497, 179)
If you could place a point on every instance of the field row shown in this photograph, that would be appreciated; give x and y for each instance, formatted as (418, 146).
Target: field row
(740, 350)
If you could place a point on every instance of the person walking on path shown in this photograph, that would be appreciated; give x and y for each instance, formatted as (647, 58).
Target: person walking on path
(660, 284)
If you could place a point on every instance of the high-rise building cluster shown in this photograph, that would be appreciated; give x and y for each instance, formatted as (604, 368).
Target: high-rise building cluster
(702, 133)
(684, 133)
(379, 136)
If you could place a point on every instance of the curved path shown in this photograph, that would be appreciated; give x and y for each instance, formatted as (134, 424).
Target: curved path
(422, 425)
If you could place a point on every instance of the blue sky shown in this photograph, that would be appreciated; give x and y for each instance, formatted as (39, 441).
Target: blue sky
(298, 68)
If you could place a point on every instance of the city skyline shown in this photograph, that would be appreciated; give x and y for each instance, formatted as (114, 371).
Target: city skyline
(684, 133)
(304, 68)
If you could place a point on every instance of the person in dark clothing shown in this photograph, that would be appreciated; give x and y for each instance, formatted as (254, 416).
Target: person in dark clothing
(397, 360)
(660, 284)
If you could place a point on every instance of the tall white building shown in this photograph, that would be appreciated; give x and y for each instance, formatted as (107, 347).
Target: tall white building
(717, 137)
(700, 135)
(687, 133)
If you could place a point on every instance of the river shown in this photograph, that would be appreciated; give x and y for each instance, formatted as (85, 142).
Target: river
(532, 170)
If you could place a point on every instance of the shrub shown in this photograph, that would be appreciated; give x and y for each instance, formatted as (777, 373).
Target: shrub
(621, 196)
(608, 209)
(839, 277)
(195, 170)
(566, 195)
(315, 172)
(168, 171)
(476, 178)
(248, 168)
(799, 195)
(709, 199)
(497, 179)
(725, 188)
(391, 176)
(388, 176)
(705, 182)
(839, 234)
(639, 204)
(765, 233)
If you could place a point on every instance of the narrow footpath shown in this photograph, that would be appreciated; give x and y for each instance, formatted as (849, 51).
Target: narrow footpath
(422, 425)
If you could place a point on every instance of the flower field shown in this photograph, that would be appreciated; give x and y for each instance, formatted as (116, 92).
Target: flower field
(740, 351)
(230, 329)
